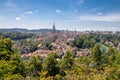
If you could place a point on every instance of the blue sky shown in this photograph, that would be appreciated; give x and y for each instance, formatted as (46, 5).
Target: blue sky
(67, 14)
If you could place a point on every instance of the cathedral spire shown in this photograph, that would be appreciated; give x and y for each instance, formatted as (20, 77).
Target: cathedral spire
(54, 30)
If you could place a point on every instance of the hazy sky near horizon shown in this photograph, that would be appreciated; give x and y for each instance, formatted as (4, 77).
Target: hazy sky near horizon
(67, 14)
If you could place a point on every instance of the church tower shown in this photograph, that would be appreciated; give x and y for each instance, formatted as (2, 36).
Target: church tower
(75, 32)
(54, 30)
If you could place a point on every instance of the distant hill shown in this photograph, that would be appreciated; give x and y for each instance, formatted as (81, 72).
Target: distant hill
(13, 30)
(40, 30)
(25, 30)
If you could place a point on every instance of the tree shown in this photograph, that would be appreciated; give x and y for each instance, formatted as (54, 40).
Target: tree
(98, 56)
(113, 64)
(9, 61)
(84, 41)
(34, 66)
(16, 35)
(17, 63)
(7, 71)
(67, 61)
(5, 48)
(50, 65)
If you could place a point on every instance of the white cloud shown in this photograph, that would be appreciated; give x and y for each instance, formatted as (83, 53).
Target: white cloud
(10, 4)
(17, 18)
(96, 9)
(58, 11)
(29, 12)
(36, 11)
(0, 18)
(100, 13)
(80, 1)
(106, 18)
(75, 10)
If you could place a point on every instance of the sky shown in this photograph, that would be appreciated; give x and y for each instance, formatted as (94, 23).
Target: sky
(81, 15)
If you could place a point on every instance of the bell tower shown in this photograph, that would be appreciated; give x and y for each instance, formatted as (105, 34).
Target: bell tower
(54, 30)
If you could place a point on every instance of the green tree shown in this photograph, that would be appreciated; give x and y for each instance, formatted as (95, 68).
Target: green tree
(34, 66)
(67, 61)
(18, 65)
(5, 48)
(48, 45)
(10, 62)
(84, 41)
(98, 56)
(50, 65)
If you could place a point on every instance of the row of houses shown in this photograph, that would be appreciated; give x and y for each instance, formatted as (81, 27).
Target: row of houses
(59, 45)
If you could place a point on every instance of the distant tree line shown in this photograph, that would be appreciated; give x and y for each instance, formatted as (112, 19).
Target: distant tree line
(83, 41)
(16, 35)
(88, 40)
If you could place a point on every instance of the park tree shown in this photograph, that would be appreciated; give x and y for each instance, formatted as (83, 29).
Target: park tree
(50, 64)
(10, 63)
(113, 64)
(5, 48)
(7, 71)
(67, 61)
(34, 66)
(98, 56)
(84, 41)
(17, 63)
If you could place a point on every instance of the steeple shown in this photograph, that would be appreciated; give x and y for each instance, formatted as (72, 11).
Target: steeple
(54, 30)
(75, 31)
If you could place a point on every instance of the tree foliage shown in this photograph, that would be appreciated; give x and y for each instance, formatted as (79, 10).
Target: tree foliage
(67, 61)
(16, 35)
(84, 41)
(50, 65)
(10, 62)
(34, 66)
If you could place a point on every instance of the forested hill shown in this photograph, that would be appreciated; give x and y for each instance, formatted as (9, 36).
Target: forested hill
(25, 30)
(13, 30)
(16, 35)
